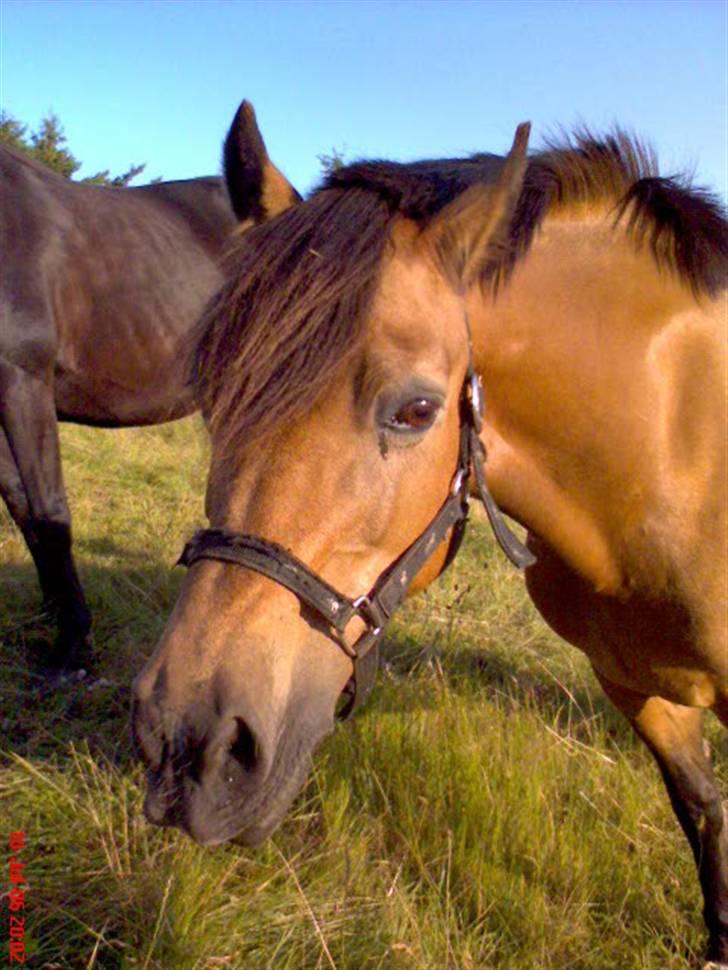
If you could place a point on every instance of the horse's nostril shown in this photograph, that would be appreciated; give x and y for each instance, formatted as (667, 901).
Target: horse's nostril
(244, 747)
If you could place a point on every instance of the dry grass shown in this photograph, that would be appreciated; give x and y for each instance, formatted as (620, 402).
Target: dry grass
(487, 810)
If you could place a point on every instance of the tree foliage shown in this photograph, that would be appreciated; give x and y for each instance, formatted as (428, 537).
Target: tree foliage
(332, 161)
(48, 145)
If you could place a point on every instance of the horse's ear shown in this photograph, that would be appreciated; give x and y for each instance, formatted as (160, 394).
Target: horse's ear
(257, 189)
(471, 231)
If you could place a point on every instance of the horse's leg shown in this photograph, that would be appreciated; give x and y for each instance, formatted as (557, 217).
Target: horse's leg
(31, 483)
(674, 735)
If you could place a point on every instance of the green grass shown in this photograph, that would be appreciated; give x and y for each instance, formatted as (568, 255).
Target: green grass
(488, 809)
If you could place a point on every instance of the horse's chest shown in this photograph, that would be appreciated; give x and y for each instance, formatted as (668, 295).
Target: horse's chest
(652, 645)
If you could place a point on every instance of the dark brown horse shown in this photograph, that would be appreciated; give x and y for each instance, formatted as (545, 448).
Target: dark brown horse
(100, 289)
(594, 309)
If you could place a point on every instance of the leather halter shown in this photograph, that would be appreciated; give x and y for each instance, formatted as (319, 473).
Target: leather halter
(390, 589)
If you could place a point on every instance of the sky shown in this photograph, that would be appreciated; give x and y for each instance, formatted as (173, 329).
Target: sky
(158, 81)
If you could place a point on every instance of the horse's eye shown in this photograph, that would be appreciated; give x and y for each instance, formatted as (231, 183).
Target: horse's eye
(415, 415)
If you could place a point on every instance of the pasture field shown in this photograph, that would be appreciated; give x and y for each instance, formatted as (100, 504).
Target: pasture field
(488, 809)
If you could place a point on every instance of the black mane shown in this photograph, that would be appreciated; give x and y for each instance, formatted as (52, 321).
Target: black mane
(685, 226)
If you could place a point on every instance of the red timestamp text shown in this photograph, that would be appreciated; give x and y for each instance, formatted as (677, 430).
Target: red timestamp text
(16, 897)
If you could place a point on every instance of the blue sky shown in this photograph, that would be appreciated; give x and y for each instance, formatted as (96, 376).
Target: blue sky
(159, 80)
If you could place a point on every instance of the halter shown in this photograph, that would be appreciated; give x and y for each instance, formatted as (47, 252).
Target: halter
(375, 607)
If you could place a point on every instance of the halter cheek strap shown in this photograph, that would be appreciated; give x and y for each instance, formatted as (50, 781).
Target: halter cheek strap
(519, 555)
(376, 607)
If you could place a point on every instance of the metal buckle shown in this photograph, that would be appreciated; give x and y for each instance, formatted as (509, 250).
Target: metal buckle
(366, 611)
(458, 481)
(477, 403)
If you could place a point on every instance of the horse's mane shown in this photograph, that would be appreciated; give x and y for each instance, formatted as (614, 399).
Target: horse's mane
(289, 313)
(299, 286)
(685, 226)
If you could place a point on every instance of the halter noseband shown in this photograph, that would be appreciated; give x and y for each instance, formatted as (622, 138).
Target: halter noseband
(376, 607)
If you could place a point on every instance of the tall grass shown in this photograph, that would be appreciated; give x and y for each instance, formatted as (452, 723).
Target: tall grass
(487, 810)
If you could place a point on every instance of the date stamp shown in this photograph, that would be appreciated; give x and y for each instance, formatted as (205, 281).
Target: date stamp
(16, 897)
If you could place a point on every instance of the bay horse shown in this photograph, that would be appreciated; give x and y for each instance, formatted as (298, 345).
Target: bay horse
(590, 298)
(99, 292)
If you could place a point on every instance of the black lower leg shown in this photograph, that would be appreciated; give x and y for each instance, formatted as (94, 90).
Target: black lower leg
(50, 545)
(31, 481)
(698, 807)
(674, 734)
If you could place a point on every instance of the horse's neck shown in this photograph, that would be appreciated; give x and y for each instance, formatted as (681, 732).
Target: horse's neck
(602, 378)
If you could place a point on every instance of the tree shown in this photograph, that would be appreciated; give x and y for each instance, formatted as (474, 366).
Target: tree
(47, 145)
(12, 133)
(333, 161)
(118, 181)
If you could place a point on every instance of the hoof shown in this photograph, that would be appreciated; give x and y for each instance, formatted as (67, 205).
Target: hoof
(68, 663)
(70, 655)
(56, 678)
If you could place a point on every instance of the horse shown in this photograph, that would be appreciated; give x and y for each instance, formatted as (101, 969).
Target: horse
(588, 294)
(100, 290)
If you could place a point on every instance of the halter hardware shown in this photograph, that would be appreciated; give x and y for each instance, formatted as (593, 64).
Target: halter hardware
(375, 607)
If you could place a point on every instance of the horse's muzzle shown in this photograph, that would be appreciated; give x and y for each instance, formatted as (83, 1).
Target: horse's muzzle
(228, 778)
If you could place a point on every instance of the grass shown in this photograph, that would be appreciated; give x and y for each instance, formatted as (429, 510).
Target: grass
(487, 810)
